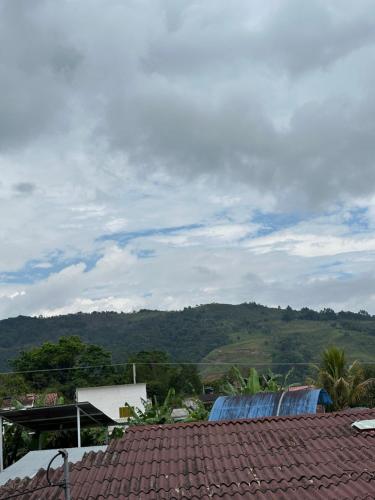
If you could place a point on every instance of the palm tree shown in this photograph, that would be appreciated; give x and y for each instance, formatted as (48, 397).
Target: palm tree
(345, 384)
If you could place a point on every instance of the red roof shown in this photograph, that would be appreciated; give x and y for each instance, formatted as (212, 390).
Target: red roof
(49, 399)
(299, 457)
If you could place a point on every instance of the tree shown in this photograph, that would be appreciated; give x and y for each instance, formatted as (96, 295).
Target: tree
(161, 413)
(327, 314)
(308, 314)
(288, 314)
(288, 350)
(364, 313)
(186, 380)
(17, 442)
(345, 384)
(154, 413)
(59, 366)
(155, 369)
(12, 385)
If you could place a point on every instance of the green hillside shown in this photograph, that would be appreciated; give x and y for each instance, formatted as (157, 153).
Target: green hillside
(245, 333)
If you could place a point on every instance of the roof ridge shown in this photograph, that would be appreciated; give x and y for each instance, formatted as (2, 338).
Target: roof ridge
(256, 420)
(266, 432)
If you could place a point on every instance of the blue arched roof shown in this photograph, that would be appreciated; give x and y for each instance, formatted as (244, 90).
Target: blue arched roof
(268, 404)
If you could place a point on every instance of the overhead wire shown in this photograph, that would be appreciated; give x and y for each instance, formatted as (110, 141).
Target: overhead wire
(169, 363)
(61, 484)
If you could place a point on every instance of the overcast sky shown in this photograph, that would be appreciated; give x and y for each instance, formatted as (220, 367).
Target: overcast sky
(160, 154)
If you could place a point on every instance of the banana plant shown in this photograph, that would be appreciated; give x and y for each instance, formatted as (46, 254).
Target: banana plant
(256, 383)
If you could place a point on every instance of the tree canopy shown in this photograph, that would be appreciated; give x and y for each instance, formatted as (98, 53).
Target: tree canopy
(155, 368)
(70, 363)
(62, 366)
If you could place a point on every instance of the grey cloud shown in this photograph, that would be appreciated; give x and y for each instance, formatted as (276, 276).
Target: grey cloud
(326, 154)
(24, 188)
(303, 36)
(199, 89)
(38, 63)
(295, 38)
(350, 294)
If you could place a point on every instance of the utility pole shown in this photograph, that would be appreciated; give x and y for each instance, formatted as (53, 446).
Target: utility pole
(66, 484)
(134, 374)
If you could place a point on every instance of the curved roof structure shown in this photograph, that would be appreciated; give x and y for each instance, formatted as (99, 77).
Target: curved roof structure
(268, 404)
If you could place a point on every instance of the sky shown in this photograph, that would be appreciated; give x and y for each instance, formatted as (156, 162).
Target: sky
(168, 153)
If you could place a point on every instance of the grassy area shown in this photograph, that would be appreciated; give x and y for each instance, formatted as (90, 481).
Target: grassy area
(257, 347)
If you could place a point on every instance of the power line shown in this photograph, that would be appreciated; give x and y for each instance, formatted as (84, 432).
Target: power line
(170, 363)
(188, 363)
(62, 484)
(25, 492)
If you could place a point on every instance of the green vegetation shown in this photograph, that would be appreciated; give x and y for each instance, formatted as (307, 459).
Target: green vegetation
(68, 352)
(247, 333)
(270, 382)
(154, 412)
(161, 413)
(345, 384)
(42, 369)
(153, 367)
(70, 363)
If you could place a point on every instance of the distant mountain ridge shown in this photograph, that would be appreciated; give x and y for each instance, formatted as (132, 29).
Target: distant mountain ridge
(244, 333)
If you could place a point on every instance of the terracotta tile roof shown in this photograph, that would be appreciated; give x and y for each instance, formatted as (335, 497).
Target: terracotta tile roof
(300, 457)
(51, 399)
(29, 400)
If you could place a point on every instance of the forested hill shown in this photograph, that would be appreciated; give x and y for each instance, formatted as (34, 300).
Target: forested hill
(216, 332)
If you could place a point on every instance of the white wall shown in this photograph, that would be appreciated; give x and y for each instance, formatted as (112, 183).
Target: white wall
(110, 398)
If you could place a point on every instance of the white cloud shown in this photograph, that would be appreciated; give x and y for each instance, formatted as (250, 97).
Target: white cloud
(142, 117)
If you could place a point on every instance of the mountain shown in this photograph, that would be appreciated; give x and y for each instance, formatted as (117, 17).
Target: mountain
(215, 333)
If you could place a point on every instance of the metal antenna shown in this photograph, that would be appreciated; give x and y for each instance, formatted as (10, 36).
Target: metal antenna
(64, 484)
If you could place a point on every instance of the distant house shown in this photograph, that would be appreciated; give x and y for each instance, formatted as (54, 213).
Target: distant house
(115, 400)
(29, 401)
(301, 457)
(268, 404)
(208, 399)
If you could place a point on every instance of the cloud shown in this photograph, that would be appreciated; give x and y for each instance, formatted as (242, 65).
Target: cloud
(171, 153)
(253, 94)
(299, 266)
(302, 37)
(24, 188)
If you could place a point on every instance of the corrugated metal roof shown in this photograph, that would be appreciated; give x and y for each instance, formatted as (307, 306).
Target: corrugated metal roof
(309, 457)
(52, 418)
(268, 404)
(30, 464)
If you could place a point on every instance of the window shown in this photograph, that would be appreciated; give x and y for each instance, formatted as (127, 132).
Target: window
(126, 411)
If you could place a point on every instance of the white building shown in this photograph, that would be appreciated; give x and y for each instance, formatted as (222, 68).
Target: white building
(112, 399)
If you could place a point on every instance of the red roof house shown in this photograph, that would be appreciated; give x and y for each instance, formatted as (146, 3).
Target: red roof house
(318, 456)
